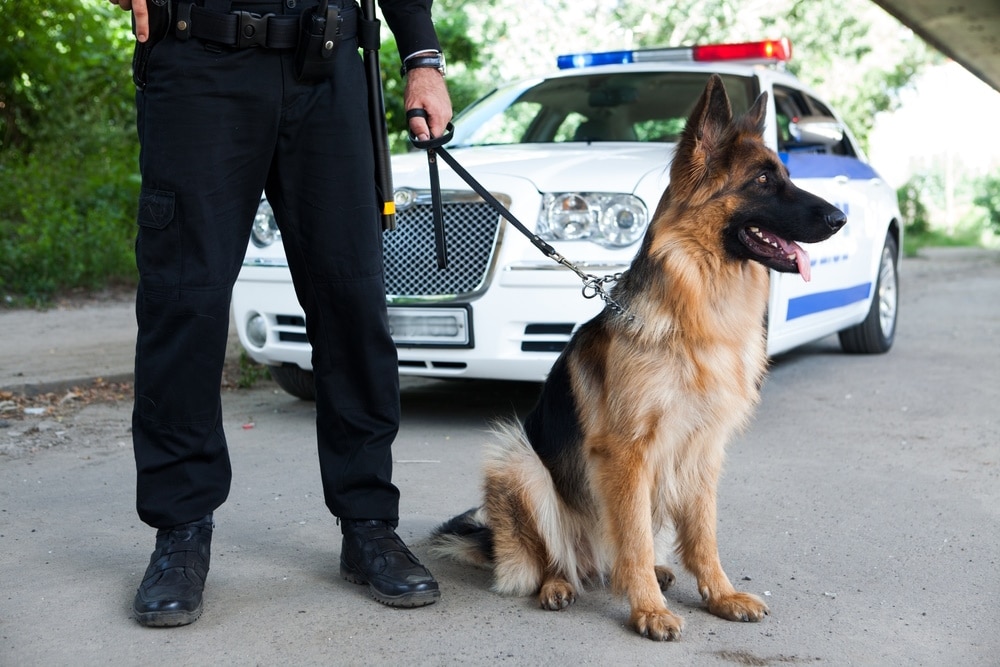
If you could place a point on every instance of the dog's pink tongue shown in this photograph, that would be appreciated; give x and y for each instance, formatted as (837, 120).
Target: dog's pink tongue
(802, 260)
(801, 257)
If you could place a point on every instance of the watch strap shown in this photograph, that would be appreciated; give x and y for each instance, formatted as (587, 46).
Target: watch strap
(434, 61)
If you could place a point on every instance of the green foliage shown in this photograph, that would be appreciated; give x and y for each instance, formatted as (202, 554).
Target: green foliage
(922, 202)
(250, 372)
(60, 58)
(917, 229)
(912, 207)
(68, 154)
(988, 197)
(968, 234)
(66, 222)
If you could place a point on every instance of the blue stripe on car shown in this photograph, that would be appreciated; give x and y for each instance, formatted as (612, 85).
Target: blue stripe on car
(809, 304)
(817, 165)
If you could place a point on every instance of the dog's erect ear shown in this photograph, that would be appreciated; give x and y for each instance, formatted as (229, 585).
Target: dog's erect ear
(707, 130)
(711, 116)
(754, 118)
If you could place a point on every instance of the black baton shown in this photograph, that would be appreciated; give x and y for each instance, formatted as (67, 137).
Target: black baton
(376, 116)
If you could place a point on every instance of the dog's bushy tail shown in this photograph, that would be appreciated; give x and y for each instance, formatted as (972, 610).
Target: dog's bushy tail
(465, 538)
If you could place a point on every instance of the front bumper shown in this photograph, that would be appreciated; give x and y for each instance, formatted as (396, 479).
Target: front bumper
(516, 328)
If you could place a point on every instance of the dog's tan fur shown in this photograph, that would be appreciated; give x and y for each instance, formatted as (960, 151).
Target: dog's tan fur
(659, 390)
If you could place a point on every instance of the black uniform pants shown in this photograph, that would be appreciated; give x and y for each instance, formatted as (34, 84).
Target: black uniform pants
(216, 127)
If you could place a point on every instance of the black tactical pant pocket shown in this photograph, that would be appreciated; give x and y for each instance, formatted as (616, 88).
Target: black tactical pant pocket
(158, 244)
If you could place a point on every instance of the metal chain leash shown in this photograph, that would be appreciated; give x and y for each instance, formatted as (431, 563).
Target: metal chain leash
(592, 285)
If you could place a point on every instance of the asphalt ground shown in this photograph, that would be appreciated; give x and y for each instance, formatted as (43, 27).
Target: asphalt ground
(863, 505)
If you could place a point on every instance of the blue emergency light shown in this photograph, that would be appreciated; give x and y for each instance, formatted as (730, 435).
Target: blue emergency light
(574, 61)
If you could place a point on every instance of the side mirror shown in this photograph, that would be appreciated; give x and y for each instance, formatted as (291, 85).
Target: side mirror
(816, 130)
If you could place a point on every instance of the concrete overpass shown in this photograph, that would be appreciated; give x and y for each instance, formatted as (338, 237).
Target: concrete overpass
(967, 31)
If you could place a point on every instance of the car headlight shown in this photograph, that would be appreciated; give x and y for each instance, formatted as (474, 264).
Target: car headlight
(611, 220)
(265, 229)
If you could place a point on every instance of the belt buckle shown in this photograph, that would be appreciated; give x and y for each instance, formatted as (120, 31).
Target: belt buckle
(251, 29)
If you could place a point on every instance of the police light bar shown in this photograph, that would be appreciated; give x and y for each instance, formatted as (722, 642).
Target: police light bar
(765, 52)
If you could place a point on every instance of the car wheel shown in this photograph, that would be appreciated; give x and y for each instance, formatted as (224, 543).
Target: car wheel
(295, 380)
(878, 330)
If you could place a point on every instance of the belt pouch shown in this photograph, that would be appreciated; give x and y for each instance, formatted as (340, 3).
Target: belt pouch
(317, 48)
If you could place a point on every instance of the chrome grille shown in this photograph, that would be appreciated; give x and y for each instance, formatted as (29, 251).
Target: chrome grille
(472, 230)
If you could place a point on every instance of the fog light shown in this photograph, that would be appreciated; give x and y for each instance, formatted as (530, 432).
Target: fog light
(257, 330)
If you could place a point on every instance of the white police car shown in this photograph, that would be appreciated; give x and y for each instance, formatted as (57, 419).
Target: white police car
(581, 157)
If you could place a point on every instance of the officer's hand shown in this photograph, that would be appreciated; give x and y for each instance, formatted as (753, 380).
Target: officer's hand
(425, 89)
(139, 13)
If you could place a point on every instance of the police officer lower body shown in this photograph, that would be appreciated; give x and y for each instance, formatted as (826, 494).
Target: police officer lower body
(218, 125)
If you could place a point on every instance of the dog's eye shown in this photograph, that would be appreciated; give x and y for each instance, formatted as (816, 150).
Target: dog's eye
(762, 179)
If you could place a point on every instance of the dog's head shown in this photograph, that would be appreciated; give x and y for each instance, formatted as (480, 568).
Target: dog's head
(724, 162)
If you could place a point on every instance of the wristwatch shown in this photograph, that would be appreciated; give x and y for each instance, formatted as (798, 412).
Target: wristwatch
(429, 59)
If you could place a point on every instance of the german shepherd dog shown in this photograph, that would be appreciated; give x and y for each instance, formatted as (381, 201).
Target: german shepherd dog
(628, 435)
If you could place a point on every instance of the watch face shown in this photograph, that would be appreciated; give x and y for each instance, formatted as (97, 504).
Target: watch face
(437, 62)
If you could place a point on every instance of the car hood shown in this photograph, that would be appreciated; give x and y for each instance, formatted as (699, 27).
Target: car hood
(577, 167)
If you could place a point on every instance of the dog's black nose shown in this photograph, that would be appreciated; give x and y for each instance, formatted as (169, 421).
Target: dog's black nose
(835, 219)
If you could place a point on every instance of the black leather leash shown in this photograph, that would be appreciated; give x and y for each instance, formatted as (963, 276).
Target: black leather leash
(592, 285)
(437, 205)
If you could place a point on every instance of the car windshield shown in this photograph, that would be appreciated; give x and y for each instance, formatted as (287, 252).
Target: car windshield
(609, 106)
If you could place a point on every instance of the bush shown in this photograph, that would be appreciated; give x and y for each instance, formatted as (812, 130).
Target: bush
(911, 206)
(69, 152)
(67, 221)
(988, 197)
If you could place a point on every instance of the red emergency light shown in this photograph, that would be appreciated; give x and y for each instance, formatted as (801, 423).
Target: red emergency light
(768, 50)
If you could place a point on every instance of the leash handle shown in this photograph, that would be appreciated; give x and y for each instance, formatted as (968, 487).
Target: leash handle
(437, 205)
(432, 143)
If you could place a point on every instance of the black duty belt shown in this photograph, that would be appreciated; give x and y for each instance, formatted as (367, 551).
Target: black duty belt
(242, 29)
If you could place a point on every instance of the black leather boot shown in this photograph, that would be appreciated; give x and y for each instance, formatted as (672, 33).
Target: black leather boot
(170, 592)
(372, 553)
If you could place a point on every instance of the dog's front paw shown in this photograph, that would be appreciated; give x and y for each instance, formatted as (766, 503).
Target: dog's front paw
(660, 624)
(739, 607)
(556, 595)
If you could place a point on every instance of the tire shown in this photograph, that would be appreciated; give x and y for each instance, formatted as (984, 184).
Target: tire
(877, 332)
(296, 381)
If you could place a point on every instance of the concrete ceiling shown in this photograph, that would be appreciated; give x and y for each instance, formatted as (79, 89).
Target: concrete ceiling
(967, 31)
